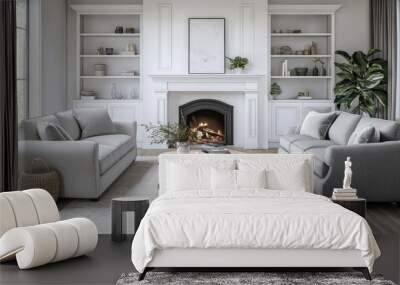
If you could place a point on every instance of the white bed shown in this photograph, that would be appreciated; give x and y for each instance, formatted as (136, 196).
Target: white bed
(195, 224)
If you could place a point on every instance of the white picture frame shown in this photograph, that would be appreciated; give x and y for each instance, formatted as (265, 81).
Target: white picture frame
(206, 53)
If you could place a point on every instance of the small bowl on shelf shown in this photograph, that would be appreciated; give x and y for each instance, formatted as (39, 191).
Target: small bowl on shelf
(301, 71)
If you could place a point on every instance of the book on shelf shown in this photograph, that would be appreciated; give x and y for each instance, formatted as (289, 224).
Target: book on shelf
(85, 97)
(342, 190)
(344, 194)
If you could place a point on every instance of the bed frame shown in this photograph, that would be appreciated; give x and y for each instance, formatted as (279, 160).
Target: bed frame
(240, 259)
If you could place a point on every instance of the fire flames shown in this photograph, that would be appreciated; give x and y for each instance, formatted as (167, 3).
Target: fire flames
(207, 135)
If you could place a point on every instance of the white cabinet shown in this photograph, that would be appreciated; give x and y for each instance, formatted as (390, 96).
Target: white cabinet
(287, 114)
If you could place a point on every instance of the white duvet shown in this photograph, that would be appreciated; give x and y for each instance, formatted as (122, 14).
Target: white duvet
(250, 219)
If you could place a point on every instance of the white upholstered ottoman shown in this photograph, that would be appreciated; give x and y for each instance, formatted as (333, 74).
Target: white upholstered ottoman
(31, 232)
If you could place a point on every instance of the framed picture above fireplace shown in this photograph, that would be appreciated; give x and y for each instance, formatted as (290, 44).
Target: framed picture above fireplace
(206, 53)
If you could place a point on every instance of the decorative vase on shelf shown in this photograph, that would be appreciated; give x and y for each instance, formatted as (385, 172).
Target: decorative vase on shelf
(315, 71)
(114, 91)
(183, 147)
(239, 70)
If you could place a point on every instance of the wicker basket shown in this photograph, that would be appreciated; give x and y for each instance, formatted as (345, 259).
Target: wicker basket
(48, 179)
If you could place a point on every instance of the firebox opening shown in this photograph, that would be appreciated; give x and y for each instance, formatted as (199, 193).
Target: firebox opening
(208, 125)
(211, 119)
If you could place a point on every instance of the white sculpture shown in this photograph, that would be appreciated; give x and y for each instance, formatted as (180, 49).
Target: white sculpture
(348, 173)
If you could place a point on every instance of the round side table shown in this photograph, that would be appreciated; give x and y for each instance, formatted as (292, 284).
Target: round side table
(137, 204)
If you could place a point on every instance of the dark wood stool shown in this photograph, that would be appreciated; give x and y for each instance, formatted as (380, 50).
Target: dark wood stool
(137, 204)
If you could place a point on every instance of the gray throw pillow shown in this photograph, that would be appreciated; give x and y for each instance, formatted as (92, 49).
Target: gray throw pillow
(94, 122)
(68, 122)
(316, 124)
(366, 135)
(52, 132)
(343, 127)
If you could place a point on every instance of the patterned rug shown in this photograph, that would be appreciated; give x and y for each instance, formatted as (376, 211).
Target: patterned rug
(247, 278)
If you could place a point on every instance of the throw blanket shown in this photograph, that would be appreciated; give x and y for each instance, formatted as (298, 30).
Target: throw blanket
(252, 218)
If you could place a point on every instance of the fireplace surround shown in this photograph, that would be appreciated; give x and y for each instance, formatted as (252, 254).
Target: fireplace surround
(216, 114)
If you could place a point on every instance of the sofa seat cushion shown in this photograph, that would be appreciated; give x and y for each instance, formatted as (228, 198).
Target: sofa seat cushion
(343, 127)
(111, 149)
(286, 141)
(388, 130)
(320, 167)
(303, 146)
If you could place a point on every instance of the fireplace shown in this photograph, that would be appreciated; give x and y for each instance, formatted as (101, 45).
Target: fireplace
(212, 120)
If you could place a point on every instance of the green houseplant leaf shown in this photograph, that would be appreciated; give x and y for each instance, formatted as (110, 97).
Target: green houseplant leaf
(363, 84)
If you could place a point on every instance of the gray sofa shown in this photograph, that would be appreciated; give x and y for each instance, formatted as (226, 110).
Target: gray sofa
(376, 166)
(87, 166)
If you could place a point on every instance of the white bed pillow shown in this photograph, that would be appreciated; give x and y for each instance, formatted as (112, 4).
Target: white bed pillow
(251, 179)
(223, 179)
(286, 173)
(186, 175)
(226, 179)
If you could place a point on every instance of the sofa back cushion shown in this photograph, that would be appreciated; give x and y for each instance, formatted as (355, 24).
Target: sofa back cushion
(316, 124)
(28, 128)
(94, 122)
(52, 132)
(343, 127)
(366, 135)
(388, 130)
(68, 122)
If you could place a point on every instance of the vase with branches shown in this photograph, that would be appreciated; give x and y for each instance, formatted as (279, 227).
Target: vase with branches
(363, 85)
(173, 134)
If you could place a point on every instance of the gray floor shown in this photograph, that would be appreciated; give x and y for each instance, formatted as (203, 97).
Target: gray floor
(110, 260)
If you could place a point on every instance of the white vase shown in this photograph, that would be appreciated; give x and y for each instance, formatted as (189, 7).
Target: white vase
(182, 147)
(239, 70)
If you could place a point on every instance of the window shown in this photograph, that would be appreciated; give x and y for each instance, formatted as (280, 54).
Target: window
(22, 58)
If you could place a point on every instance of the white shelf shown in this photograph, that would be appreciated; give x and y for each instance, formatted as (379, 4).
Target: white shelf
(109, 35)
(301, 56)
(108, 77)
(301, 35)
(111, 56)
(109, 101)
(277, 101)
(301, 77)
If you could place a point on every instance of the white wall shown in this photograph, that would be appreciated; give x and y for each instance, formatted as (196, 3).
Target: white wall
(47, 57)
(352, 22)
(160, 57)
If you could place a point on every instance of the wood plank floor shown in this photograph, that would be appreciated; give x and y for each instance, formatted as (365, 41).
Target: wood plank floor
(110, 260)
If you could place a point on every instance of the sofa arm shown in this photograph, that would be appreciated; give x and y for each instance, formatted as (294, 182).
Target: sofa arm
(126, 128)
(375, 169)
(76, 161)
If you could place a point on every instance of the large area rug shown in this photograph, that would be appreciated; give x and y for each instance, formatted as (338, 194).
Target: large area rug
(247, 278)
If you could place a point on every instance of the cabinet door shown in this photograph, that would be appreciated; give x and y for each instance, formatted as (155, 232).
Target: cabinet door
(284, 117)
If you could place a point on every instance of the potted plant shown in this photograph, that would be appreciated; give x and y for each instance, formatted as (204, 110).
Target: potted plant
(275, 90)
(364, 82)
(176, 134)
(237, 63)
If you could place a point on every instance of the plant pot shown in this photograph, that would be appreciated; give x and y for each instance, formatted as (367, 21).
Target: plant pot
(239, 70)
(182, 147)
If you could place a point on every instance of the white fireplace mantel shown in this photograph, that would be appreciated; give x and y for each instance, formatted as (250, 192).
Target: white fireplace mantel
(247, 85)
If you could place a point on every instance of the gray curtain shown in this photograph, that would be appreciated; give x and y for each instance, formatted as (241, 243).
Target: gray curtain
(8, 97)
(384, 37)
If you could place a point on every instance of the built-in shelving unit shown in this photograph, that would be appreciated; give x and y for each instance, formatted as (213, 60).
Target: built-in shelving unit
(297, 27)
(96, 28)
(315, 24)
